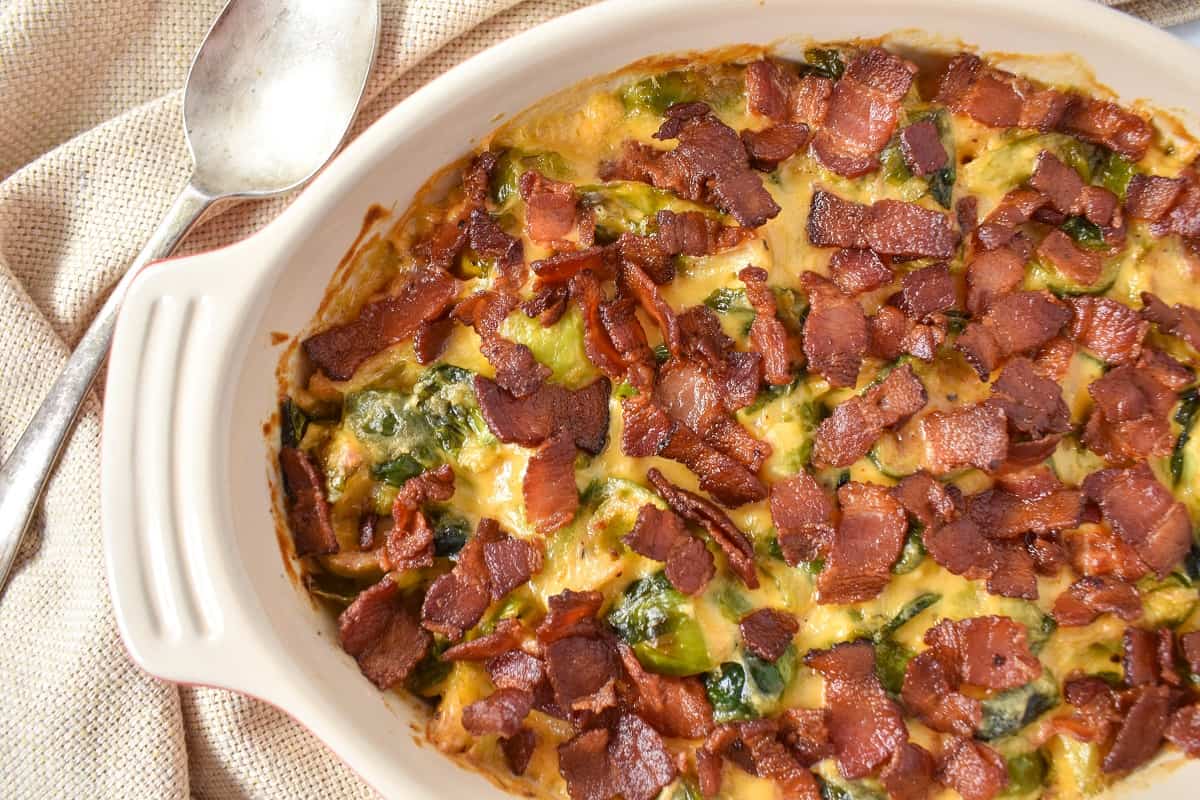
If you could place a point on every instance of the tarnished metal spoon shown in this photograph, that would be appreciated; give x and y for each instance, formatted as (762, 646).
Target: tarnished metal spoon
(270, 95)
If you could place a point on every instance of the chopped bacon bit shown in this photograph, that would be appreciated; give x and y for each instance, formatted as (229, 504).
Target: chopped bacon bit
(1018, 322)
(866, 544)
(887, 332)
(865, 726)
(1129, 421)
(1033, 405)
(661, 535)
(307, 509)
(501, 712)
(810, 101)
(1189, 643)
(856, 271)
(736, 546)
(507, 635)
(1184, 216)
(766, 332)
(997, 98)
(863, 112)
(675, 707)
(1142, 730)
(1144, 513)
(1111, 330)
(570, 613)
(629, 760)
(518, 750)
(1139, 659)
(380, 629)
(897, 228)
(547, 305)
(926, 291)
(1079, 264)
(966, 211)
(770, 759)
(409, 543)
(834, 222)
(974, 770)
(769, 85)
(1179, 320)
(802, 513)
(489, 240)
(705, 343)
(712, 165)
(691, 233)
(1183, 730)
(532, 420)
(579, 667)
(922, 148)
(1164, 369)
(550, 207)
(930, 691)
(510, 563)
(771, 146)
(549, 490)
(628, 337)
(1098, 551)
(975, 436)
(1107, 124)
(767, 632)
(643, 290)
(1057, 181)
(1150, 197)
(431, 338)
(835, 332)
(992, 652)
(909, 774)
(1089, 597)
(806, 733)
(1096, 712)
(925, 498)
(457, 600)
(445, 244)
(339, 350)
(961, 548)
(847, 434)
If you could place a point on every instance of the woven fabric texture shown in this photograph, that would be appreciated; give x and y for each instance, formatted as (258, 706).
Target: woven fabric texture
(91, 154)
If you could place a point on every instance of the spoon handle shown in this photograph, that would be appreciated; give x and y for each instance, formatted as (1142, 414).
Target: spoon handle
(25, 473)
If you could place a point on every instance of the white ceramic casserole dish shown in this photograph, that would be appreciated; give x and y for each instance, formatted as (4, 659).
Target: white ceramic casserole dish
(200, 590)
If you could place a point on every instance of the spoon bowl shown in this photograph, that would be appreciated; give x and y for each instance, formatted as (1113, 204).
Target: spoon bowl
(273, 90)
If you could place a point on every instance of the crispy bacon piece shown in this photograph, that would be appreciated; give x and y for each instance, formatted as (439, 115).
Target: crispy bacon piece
(1178, 320)
(380, 629)
(550, 207)
(1189, 643)
(1150, 197)
(806, 732)
(1144, 513)
(1089, 597)
(1018, 322)
(517, 371)
(307, 509)
(864, 110)
(489, 240)
(694, 508)
(909, 774)
(999, 228)
(661, 535)
(456, 601)
(579, 667)
(1093, 550)
(1164, 369)
(339, 350)
(855, 271)
(1183, 730)
(835, 332)
(992, 652)
(1129, 421)
(1111, 330)
(930, 692)
(549, 490)
(507, 635)
(691, 397)
(974, 770)
(409, 543)
(1077, 263)
(767, 333)
(974, 436)
(547, 305)
(926, 291)
(998, 98)
(501, 712)
(675, 707)
(1033, 405)
(431, 338)
(849, 432)
(756, 747)
(691, 233)
(705, 343)
(561, 267)
(961, 548)
(628, 759)
(888, 227)
(1139, 656)
(532, 420)
(639, 286)
(922, 148)
(865, 726)
(773, 145)
(769, 85)
(866, 544)
(518, 750)
(1104, 123)
(802, 513)
(570, 613)
(930, 501)
(711, 165)
(1142, 730)
(767, 632)
(1069, 195)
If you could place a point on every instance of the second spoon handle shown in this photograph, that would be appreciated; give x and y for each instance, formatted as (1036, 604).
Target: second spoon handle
(23, 476)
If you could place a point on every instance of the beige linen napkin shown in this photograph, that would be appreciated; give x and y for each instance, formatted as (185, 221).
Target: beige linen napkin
(91, 153)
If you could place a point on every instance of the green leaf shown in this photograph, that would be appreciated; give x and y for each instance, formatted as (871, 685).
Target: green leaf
(293, 422)
(941, 185)
(726, 689)
(1026, 774)
(891, 660)
(825, 62)
(1185, 415)
(450, 532)
(1085, 233)
(1011, 710)
(1114, 173)
(658, 622)
(914, 550)
(398, 470)
(907, 612)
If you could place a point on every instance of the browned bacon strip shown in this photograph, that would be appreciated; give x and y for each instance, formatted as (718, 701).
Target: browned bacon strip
(339, 350)
(1150, 197)
(974, 436)
(930, 691)
(802, 514)
(1142, 731)
(972, 769)
(1033, 405)
(769, 85)
(1089, 597)
(767, 332)
(998, 98)
(992, 652)
(381, 631)
(1144, 513)
(1068, 193)
(909, 775)
(530, 421)
(866, 544)
(889, 227)
(864, 724)
(856, 271)
(922, 148)
(768, 632)
(507, 635)
(1104, 123)
(863, 112)
(1111, 330)
(661, 535)
(676, 707)
(835, 332)
(848, 433)
(549, 491)
(307, 508)
(1183, 730)
(1019, 322)
(628, 760)
(773, 145)
(550, 207)
(501, 712)
(1178, 320)
(736, 546)
(1079, 264)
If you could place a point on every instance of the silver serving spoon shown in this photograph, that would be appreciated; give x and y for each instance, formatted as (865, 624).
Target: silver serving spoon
(270, 95)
